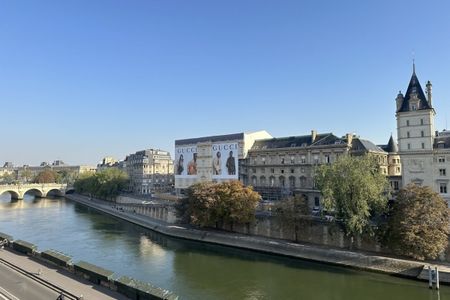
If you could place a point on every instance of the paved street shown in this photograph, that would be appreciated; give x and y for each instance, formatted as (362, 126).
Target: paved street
(27, 289)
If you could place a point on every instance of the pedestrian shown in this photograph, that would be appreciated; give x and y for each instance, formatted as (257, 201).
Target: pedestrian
(60, 297)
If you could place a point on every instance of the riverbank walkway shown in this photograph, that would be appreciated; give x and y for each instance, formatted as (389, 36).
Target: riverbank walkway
(341, 257)
(16, 284)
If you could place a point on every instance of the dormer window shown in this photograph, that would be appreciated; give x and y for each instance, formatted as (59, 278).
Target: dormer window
(413, 107)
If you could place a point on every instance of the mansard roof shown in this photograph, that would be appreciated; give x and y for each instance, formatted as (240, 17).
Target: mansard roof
(365, 145)
(414, 87)
(391, 146)
(296, 141)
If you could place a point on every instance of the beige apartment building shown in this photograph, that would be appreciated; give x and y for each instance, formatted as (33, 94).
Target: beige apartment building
(149, 171)
(281, 167)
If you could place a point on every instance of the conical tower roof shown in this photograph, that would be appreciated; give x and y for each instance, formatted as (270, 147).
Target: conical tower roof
(414, 88)
(391, 146)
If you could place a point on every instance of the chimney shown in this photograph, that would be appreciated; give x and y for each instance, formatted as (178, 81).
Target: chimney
(399, 100)
(429, 86)
(349, 137)
(313, 136)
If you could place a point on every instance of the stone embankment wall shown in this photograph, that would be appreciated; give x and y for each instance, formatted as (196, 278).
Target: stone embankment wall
(134, 289)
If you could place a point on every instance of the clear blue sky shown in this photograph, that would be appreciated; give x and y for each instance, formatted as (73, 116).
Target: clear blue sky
(80, 80)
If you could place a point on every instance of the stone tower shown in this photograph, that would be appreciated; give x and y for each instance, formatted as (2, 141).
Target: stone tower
(415, 132)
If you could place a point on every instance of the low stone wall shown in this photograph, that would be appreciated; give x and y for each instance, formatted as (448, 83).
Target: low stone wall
(137, 289)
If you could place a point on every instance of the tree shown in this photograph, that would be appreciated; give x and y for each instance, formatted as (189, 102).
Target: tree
(293, 212)
(106, 184)
(26, 175)
(46, 176)
(211, 204)
(418, 224)
(354, 189)
(8, 178)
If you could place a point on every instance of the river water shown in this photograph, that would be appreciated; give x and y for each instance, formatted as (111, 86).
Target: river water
(190, 269)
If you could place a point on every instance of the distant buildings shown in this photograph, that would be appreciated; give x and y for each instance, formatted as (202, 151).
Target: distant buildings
(109, 162)
(149, 171)
(212, 158)
(424, 152)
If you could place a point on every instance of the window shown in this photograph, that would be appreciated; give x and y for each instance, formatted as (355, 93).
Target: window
(292, 171)
(408, 135)
(263, 159)
(441, 159)
(396, 186)
(282, 171)
(292, 182)
(398, 169)
(423, 145)
(272, 170)
(282, 160)
(442, 172)
(316, 201)
(422, 134)
(303, 159)
(421, 121)
(263, 170)
(316, 159)
(302, 170)
(409, 146)
(413, 107)
(282, 181)
(327, 158)
(292, 159)
(443, 188)
(407, 122)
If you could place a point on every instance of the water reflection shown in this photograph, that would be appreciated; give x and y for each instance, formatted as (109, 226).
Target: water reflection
(193, 270)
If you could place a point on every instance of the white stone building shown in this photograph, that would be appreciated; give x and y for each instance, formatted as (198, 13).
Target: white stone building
(424, 152)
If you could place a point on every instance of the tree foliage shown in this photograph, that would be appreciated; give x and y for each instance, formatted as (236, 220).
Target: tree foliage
(211, 204)
(46, 176)
(418, 225)
(8, 178)
(355, 189)
(106, 184)
(293, 213)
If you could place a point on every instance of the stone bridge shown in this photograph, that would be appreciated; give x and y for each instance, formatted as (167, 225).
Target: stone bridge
(17, 191)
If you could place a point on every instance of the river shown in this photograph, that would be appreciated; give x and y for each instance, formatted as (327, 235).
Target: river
(190, 269)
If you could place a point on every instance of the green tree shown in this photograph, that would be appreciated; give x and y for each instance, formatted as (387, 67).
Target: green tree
(46, 176)
(8, 178)
(293, 212)
(26, 175)
(214, 204)
(418, 224)
(106, 184)
(354, 189)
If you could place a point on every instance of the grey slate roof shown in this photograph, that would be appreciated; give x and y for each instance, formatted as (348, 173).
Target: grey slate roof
(294, 141)
(364, 145)
(414, 87)
(441, 142)
(391, 146)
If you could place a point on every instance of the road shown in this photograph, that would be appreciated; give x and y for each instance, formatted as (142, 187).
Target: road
(23, 287)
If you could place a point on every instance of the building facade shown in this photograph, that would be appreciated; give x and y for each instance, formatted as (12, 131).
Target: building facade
(282, 167)
(212, 158)
(424, 152)
(149, 171)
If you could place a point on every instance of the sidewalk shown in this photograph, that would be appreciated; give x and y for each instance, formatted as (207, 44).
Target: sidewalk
(60, 278)
(359, 260)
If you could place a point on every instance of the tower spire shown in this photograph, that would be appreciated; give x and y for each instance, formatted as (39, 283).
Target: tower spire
(414, 65)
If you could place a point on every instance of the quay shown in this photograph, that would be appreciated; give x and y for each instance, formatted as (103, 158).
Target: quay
(357, 260)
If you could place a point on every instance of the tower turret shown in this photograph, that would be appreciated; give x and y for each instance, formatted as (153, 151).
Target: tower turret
(399, 100)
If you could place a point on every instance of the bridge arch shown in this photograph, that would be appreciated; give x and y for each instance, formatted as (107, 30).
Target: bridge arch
(14, 195)
(35, 192)
(55, 193)
(70, 191)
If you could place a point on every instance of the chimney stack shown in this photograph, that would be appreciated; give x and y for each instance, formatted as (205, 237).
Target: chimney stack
(429, 86)
(349, 137)
(313, 136)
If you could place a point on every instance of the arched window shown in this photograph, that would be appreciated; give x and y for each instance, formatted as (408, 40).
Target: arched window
(303, 182)
(262, 181)
(282, 181)
(272, 181)
(292, 182)
(254, 181)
